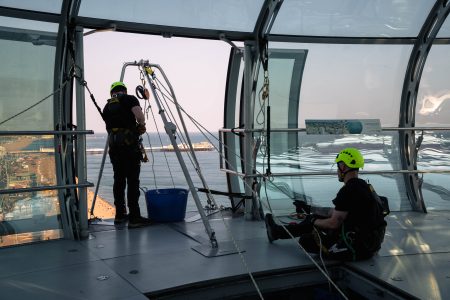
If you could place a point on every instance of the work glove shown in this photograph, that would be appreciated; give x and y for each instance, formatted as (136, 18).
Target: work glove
(301, 207)
(141, 129)
(310, 219)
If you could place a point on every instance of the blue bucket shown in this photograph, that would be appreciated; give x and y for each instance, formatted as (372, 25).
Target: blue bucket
(166, 205)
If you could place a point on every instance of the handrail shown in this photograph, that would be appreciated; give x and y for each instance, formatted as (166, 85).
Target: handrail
(433, 171)
(45, 132)
(46, 188)
(304, 129)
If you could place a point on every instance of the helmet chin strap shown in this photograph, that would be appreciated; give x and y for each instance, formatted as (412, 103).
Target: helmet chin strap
(342, 173)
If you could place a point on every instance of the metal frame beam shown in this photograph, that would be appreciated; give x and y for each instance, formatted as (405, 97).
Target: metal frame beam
(407, 140)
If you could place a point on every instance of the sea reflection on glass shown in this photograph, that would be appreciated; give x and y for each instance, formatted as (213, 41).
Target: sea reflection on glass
(316, 153)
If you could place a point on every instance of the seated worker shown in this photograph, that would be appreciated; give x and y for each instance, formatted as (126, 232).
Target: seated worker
(353, 230)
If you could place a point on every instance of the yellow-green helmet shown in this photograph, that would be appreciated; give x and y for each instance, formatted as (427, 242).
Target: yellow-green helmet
(351, 157)
(116, 85)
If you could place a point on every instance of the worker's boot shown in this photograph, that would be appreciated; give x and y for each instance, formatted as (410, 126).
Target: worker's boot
(274, 231)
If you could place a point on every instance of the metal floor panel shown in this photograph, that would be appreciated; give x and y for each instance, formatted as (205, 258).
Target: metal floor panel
(155, 239)
(89, 280)
(425, 276)
(150, 273)
(414, 257)
(413, 232)
(42, 256)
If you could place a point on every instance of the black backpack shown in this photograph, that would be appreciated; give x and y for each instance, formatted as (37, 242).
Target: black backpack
(383, 202)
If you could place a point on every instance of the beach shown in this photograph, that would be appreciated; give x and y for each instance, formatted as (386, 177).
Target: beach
(102, 209)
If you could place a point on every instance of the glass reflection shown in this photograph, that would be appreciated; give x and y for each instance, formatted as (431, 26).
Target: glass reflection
(27, 161)
(29, 217)
(316, 153)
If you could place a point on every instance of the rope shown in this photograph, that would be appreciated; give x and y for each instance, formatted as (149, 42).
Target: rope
(202, 129)
(153, 160)
(180, 134)
(324, 272)
(184, 139)
(167, 98)
(160, 140)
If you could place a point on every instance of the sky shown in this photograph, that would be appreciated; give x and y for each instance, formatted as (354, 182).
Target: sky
(197, 70)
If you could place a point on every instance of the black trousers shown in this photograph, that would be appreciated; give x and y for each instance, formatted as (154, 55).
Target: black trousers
(331, 243)
(126, 162)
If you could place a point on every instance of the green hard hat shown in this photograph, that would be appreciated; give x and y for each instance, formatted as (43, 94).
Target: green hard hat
(351, 157)
(116, 84)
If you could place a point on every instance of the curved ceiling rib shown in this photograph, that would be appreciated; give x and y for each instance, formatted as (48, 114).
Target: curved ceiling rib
(408, 145)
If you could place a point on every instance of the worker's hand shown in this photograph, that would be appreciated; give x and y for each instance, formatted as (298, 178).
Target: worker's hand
(301, 207)
(310, 219)
(141, 128)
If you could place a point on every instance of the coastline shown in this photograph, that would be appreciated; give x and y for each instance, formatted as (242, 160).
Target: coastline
(103, 209)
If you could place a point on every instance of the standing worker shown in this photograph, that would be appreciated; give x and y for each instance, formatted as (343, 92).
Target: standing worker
(353, 230)
(125, 122)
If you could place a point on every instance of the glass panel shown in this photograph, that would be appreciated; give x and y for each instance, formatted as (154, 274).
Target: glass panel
(352, 81)
(234, 155)
(444, 32)
(34, 26)
(433, 109)
(234, 15)
(434, 154)
(232, 110)
(164, 171)
(347, 18)
(29, 217)
(316, 153)
(27, 61)
(369, 89)
(285, 74)
(51, 6)
(433, 97)
(27, 78)
(26, 161)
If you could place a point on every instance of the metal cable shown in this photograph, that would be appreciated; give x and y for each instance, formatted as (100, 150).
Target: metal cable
(184, 139)
(37, 103)
(160, 140)
(324, 272)
(180, 134)
(153, 160)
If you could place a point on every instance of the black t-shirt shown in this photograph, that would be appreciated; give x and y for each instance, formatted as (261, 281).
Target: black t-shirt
(363, 211)
(117, 112)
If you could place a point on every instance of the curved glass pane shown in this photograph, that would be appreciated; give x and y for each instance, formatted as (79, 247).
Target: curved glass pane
(444, 32)
(52, 6)
(433, 97)
(316, 154)
(352, 18)
(353, 82)
(285, 78)
(27, 61)
(433, 109)
(337, 82)
(234, 15)
(29, 217)
(28, 161)
(37, 27)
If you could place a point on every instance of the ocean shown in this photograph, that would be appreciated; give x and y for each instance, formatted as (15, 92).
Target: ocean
(162, 171)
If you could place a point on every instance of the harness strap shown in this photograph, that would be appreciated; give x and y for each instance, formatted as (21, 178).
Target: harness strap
(347, 243)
